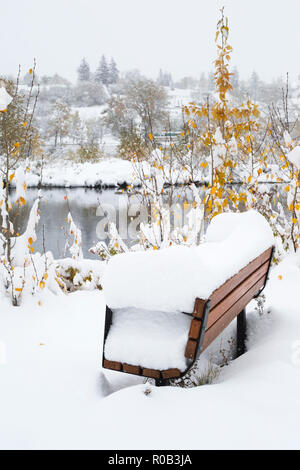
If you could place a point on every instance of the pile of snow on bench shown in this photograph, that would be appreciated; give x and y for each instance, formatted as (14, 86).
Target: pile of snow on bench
(148, 291)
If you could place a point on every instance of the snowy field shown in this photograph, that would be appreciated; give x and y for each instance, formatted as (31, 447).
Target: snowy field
(54, 396)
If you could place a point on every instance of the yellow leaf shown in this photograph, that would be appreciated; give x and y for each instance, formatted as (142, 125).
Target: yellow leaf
(150, 136)
(287, 188)
(11, 177)
(294, 220)
(185, 205)
(46, 276)
(17, 144)
(24, 124)
(42, 285)
(280, 277)
(224, 203)
(154, 247)
(30, 71)
(18, 289)
(21, 201)
(31, 249)
(30, 240)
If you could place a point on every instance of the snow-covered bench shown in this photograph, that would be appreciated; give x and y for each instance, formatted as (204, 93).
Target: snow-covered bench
(165, 307)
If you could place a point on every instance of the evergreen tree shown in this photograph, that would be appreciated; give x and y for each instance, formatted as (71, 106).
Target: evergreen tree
(102, 74)
(164, 79)
(235, 80)
(84, 73)
(160, 78)
(97, 74)
(254, 85)
(113, 72)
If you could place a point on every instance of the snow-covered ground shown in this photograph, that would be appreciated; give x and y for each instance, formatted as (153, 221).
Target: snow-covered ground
(109, 172)
(52, 393)
(113, 172)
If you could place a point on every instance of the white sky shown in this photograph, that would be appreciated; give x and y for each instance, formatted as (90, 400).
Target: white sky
(175, 35)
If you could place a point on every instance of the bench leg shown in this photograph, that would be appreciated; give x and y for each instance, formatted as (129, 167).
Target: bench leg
(161, 382)
(241, 332)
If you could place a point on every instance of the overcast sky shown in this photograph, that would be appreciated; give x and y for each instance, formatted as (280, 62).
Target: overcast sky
(175, 35)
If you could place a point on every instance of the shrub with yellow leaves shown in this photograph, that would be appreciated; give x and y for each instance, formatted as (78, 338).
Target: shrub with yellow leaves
(17, 133)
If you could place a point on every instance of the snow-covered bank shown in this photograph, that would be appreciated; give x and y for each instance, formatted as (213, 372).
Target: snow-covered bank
(112, 173)
(51, 396)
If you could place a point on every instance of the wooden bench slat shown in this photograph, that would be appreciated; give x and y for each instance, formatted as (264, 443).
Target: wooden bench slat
(113, 365)
(136, 370)
(195, 328)
(234, 281)
(199, 307)
(170, 373)
(217, 328)
(190, 349)
(235, 294)
(152, 373)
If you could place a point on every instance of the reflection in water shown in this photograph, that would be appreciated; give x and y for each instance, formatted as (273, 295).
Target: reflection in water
(84, 205)
(86, 208)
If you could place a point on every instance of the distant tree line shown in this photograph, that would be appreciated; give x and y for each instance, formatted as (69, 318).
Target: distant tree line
(106, 73)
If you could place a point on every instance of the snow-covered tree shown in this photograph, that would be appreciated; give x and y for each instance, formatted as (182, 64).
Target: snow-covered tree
(164, 79)
(113, 72)
(84, 73)
(59, 122)
(102, 74)
(88, 94)
(254, 85)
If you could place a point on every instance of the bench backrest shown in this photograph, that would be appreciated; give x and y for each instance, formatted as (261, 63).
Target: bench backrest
(213, 315)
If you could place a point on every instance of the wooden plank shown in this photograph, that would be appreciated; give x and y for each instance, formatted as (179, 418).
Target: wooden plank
(234, 296)
(191, 348)
(195, 327)
(136, 370)
(112, 365)
(152, 373)
(170, 373)
(217, 328)
(199, 308)
(234, 281)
